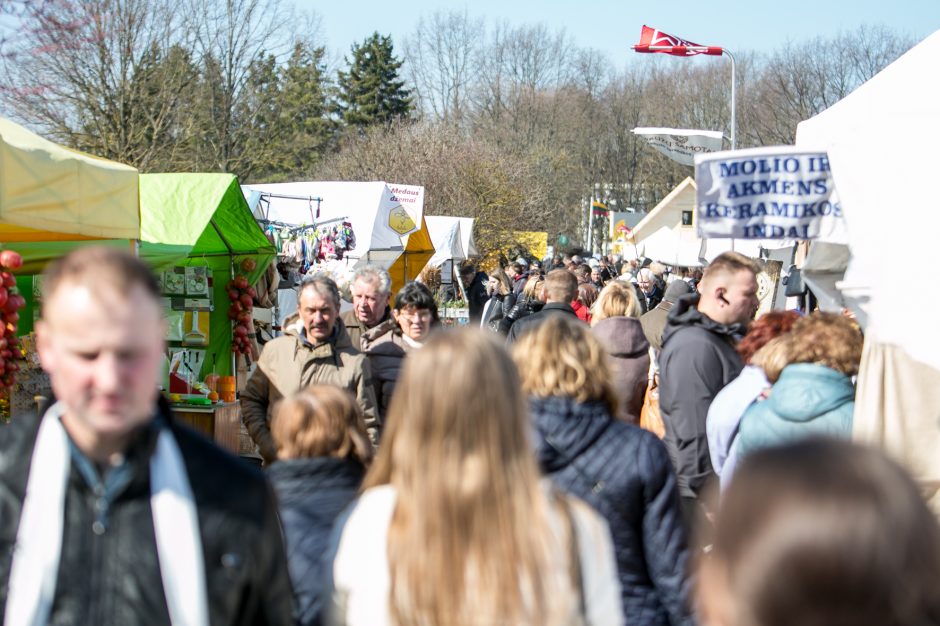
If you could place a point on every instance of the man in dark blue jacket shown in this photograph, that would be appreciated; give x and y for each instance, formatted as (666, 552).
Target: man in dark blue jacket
(698, 359)
(560, 288)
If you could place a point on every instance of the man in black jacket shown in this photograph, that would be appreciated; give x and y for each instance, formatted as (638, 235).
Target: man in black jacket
(474, 283)
(560, 288)
(110, 511)
(698, 359)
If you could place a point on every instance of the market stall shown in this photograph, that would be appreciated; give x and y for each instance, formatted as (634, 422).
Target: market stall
(447, 239)
(53, 200)
(197, 232)
(383, 224)
(880, 141)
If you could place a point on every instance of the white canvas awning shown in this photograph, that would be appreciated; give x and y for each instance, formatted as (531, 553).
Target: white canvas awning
(670, 247)
(380, 218)
(882, 141)
(466, 236)
(446, 235)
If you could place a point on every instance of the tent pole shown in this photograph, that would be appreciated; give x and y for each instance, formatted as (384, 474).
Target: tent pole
(231, 274)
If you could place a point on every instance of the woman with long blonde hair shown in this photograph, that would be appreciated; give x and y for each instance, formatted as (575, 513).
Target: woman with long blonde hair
(621, 470)
(455, 527)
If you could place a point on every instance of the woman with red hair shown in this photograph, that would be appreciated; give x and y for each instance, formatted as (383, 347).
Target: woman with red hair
(763, 353)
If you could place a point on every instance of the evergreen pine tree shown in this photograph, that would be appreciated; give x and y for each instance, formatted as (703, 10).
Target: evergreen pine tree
(258, 152)
(370, 91)
(307, 127)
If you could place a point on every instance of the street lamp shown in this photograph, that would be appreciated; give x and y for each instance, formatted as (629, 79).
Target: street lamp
(652, 40)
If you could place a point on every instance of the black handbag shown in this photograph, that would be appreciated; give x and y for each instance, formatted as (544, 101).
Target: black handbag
(794, 284)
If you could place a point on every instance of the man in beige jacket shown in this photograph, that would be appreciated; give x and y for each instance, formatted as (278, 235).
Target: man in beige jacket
(315, 349)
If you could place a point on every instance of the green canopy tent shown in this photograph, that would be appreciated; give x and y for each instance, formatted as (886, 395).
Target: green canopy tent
(202, 219)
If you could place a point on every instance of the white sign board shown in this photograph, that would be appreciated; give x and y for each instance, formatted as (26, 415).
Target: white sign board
(681, 144)
(767, 193)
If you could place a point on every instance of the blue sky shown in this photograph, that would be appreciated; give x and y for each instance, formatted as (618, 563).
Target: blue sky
(613, 26)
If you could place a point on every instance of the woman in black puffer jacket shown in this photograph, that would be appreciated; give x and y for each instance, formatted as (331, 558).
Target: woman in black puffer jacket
(323, 452)
(621, 470)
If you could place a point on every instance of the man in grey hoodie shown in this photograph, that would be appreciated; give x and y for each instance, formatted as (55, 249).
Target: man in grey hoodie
(697, 360)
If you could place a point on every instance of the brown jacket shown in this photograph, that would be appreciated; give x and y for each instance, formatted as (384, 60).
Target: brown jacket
(289, 363)
(654, 322)
(357, 329)
(622, 338)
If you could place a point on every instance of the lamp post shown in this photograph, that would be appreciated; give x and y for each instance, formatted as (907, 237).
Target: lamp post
(652, 40)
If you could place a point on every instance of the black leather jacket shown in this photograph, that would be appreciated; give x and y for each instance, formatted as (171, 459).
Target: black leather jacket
(114, 577)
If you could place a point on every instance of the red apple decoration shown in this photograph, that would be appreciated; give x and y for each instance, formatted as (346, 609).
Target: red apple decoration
(10, 304)
(242, 294)
(11, 259)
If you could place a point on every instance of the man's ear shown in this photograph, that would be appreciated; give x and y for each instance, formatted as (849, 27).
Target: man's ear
(44, 344)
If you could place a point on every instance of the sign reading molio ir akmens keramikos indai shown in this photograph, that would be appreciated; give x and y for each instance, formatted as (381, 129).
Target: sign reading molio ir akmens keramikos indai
(766, 193)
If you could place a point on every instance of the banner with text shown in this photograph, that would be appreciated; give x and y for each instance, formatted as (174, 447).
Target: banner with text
(681, 144)
(767, 193)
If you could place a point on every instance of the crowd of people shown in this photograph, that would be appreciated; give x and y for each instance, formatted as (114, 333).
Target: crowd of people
(506, 474)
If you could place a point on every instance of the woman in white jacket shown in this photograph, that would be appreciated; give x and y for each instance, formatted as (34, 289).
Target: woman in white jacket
(455, 526)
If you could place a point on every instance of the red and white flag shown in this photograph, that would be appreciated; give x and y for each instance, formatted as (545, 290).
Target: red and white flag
(652, 40)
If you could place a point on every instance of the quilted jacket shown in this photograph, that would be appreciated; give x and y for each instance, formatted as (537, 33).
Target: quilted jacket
(624, 472)
(311, 493)
(807, 400)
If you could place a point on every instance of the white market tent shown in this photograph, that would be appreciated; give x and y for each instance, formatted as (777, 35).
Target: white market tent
(466, 236)
(668, 246)
(387, 220)
(881, 140)
(366, 205)
(446, 235)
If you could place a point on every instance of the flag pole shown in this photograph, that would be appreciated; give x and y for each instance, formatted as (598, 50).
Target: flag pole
(733, 125)
(590, 225)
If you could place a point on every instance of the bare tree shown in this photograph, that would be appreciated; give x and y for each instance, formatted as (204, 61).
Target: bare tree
(520, 69)
(231, 36)
(112, 82)
(441, 59)
(801, 80)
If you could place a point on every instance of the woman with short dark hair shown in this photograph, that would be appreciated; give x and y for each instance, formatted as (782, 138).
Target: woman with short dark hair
(414, 315)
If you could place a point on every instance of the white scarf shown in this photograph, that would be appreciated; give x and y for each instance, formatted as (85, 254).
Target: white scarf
(39, 538)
